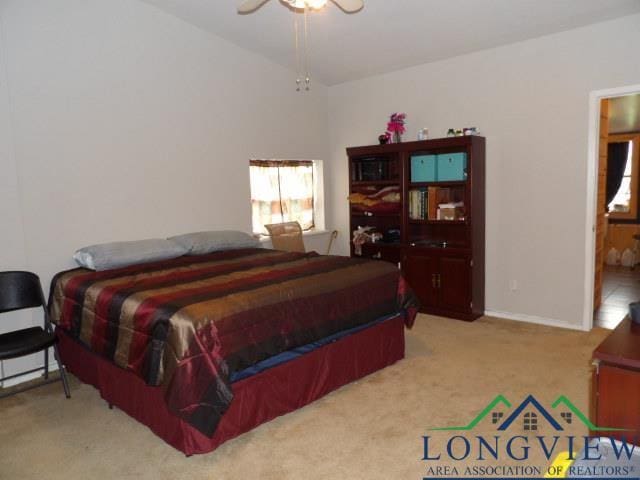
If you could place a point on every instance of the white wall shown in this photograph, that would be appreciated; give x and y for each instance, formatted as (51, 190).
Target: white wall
(12, 251)
(530, 100)
(118, 121)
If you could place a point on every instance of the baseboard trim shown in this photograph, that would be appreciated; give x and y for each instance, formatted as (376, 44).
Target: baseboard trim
(521, 317)
(28, 377)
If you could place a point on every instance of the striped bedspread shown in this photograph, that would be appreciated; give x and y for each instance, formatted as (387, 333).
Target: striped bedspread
(187, 324)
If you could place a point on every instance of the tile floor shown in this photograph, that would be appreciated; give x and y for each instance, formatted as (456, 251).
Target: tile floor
(620, 287)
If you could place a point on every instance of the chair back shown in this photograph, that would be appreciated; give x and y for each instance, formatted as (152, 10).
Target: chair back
(20, 290)
(286, 236)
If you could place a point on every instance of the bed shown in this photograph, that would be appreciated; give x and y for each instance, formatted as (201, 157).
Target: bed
(202, 348)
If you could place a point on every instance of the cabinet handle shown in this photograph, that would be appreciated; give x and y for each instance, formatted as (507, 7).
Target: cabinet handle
(439, 281)
(434, 282)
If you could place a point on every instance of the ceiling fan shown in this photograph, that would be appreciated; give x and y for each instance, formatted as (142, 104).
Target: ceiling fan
(348, 6)
(302, 7)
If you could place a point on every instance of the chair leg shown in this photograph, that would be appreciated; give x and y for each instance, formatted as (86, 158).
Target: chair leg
(46, 364)
(63, 373)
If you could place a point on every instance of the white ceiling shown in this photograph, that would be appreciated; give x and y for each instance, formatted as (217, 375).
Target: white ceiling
(391, 34)
(624, 114)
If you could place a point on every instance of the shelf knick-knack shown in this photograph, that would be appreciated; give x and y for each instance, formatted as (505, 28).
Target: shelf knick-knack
(395, 126)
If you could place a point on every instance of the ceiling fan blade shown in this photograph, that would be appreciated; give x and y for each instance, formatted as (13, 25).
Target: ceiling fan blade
(349, 6)
(250, 6)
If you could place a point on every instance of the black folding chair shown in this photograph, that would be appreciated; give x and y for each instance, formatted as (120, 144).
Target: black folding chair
(21, 290)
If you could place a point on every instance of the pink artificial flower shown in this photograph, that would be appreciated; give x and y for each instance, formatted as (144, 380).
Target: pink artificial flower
(396, 127)
(398, 117)
(396, 124)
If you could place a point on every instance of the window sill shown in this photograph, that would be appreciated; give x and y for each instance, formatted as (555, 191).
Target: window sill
(315, 231)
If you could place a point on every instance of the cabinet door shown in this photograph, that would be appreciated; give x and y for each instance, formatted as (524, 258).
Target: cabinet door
(455, 283)
(618, 400)
(420, 271)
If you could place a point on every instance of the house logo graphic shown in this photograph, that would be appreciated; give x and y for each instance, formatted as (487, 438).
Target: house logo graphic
(531, 412)
(517, 440)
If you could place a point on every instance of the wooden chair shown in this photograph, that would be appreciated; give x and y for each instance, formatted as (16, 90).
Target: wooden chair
(286, 236)
(18, 291)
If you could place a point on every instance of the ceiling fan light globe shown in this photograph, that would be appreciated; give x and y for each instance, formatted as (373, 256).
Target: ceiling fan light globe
(316, 4)
(312, 4)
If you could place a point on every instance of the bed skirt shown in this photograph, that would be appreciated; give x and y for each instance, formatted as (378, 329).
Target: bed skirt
(257, 399)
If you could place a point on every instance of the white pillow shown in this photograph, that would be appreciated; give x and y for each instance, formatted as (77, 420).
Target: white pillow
(201, 243)
(107, 256)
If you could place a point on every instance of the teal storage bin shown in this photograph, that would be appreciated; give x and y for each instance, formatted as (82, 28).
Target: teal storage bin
(423, 168)
(452, 167)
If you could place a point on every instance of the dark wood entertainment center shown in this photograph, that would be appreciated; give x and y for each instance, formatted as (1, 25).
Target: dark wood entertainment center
(435, 232)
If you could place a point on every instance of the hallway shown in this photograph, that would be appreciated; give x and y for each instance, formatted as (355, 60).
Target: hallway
(621, 286)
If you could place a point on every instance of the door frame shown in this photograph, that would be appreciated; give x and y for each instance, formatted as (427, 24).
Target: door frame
(592, 193)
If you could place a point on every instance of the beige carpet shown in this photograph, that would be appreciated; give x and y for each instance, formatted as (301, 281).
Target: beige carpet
(369, 429)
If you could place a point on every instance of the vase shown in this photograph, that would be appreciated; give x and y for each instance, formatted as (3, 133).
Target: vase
(397, 137)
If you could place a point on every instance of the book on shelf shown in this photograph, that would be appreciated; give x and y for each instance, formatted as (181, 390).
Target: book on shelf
(432, 207)
(418, 204)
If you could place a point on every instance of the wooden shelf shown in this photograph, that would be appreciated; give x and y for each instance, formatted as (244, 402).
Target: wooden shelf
(422, 146)
(453, 183)
(359, 213)
(447, 280)
(373, 183)
(382, 244)
(437, 222)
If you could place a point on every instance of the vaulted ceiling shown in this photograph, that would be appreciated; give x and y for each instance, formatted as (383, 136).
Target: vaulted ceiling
(391, 34)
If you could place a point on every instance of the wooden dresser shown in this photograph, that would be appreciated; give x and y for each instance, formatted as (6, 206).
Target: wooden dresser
(615, 399)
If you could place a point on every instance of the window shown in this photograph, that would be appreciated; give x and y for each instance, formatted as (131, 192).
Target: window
(530, 421)
(622, 173)
(567, 416)
(285, 191)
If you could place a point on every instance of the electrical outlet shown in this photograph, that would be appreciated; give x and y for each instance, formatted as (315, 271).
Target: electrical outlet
(513, 285)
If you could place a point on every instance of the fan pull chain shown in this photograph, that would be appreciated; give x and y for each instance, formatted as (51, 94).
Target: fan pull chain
(307, 78)
(297, 45)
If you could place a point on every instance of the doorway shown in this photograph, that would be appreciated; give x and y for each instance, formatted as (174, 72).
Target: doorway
(613, 213)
